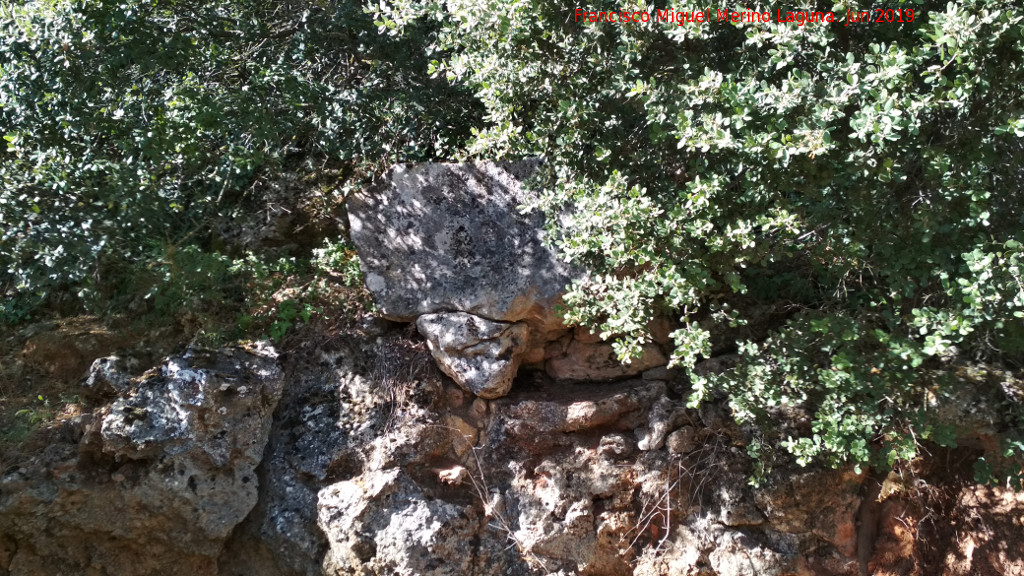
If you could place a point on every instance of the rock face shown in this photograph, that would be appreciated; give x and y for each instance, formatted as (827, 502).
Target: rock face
(153, 483)
(449, 237)
(377, 464)
(551, 478)
(383, 523)
(480, 355)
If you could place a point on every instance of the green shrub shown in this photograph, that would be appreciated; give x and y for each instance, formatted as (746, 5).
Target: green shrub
(338, 259)
(861, 181)
(136, 131)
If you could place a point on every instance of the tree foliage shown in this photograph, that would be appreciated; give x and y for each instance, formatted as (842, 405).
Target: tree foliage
(853, 189)
(136, 128)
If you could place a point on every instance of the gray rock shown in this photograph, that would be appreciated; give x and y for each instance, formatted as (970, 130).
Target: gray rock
(107, 377)
(482, 356)
(450, 237)
(736, 507)
(382, 523)
(616, 446)
(682, 441)
(737, 554)
(664, 416)
(568, 514)
(156, 482)
(316, 441)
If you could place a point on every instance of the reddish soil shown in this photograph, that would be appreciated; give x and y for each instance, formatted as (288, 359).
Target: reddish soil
(943, 524)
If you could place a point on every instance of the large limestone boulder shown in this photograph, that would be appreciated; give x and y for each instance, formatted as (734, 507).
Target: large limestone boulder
(450, 237)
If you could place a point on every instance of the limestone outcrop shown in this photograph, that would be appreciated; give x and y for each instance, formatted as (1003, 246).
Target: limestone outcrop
(375, 463)
(571, 480)
(152, 483)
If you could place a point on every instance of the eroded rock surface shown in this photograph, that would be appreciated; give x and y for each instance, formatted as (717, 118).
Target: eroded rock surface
(548, 479)
(107, 378)
(153, 483)
(376, 464)
(450, 237)
(383, 523)
(480, 355)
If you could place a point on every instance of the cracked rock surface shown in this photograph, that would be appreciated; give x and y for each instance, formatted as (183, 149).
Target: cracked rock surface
(480, 355)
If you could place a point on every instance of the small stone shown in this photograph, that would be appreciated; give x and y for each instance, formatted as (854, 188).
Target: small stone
(534, 355)
(480, 355)
(652, 437)
(454, 475)
(467, 434)
(479, 408)
(660, 329)
(107, 377)
(716, 364)
(616, 446)
(455, 397)
(682, 441)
